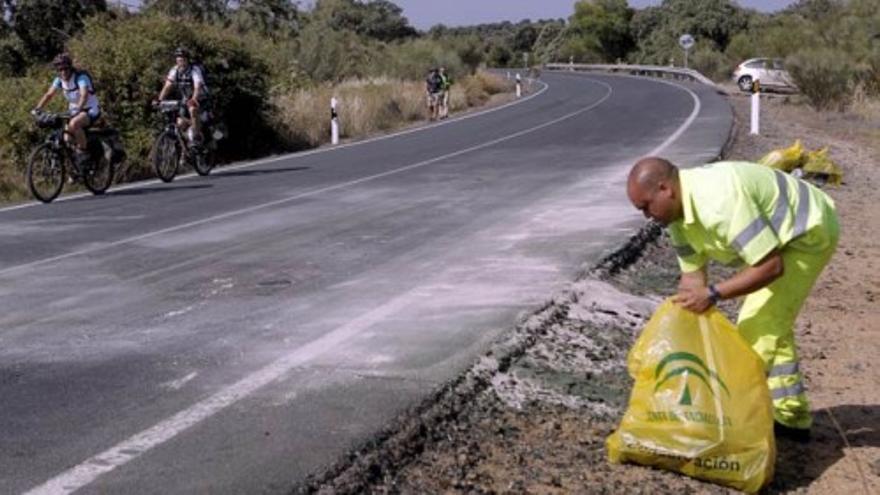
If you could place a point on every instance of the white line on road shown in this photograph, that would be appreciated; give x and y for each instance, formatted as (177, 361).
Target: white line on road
(683, 127)
(135, 446)
(305, 194)
(140, 443)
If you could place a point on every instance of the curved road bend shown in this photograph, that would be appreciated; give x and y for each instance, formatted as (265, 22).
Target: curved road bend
(233, 334)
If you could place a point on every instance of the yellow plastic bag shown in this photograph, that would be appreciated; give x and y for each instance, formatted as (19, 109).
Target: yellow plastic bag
(700, 404)
(817, 164)
(786, 159)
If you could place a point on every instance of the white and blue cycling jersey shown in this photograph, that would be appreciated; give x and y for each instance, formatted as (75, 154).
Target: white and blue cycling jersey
(72, 87)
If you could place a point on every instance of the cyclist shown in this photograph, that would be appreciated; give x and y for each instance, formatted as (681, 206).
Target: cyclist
(82, 103)
(190, 83)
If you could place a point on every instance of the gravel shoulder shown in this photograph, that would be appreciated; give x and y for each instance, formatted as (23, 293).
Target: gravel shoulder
(532, 416)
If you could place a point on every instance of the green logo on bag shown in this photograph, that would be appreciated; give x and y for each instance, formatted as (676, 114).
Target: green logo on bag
(695, 367)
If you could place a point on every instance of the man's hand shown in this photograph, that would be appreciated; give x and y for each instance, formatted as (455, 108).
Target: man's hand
(693, 298)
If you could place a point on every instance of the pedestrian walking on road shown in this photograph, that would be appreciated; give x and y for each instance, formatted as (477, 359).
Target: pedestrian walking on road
(445, 88)
(781, 228)
(433, 89)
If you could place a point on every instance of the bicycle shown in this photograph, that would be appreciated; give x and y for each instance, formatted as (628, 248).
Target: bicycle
(173, 148)
(51, 161)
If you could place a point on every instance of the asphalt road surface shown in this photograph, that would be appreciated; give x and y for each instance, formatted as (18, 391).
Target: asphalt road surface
(235, 333)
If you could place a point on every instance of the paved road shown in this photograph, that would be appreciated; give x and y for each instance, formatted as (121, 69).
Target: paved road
(233, 334)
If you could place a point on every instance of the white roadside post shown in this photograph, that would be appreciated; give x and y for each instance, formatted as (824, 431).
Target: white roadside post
(686, 41)
(334, 122)
(518, 85)
(756, 108)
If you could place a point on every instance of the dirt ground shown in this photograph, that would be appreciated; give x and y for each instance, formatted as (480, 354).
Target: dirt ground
(533, 415)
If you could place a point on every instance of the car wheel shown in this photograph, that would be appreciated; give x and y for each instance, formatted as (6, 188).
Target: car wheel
(745, 83)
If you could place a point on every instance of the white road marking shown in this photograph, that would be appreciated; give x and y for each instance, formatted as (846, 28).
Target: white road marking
(180, 382)
(132, 448)
(183, 311)
(299, 154)
(683, 127)
(88, 471)
(305, 194)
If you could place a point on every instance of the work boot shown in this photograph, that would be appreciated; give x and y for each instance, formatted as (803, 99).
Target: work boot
(798, 435)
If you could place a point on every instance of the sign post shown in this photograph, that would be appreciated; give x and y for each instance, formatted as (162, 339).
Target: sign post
(756, 109)
(334, 122)
(686, 42)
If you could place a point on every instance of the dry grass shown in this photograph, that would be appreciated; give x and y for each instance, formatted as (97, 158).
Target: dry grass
(368, 106)
(865, 106)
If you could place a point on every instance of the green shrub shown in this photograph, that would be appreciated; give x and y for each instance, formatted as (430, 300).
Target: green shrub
(327, 55)
(711, 63)
(824, 76)
(413, 59)
(17, 131)
(12, 57)
(129, 59)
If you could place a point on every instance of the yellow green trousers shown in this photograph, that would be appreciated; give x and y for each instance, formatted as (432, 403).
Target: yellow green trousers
(766, 320)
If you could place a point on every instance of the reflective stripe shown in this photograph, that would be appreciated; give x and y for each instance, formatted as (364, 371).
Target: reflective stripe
(792, 391)
(784, 369)
(803, 210)
(684, 251)
(750, 232)
(781, 203)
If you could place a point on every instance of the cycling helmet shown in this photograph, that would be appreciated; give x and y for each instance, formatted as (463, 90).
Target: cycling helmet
(62, 61)
(181, 52)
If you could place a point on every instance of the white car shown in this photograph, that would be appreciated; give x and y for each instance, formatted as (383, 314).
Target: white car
(769, 72)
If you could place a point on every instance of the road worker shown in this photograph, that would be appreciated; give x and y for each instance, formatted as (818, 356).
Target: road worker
(782, 229)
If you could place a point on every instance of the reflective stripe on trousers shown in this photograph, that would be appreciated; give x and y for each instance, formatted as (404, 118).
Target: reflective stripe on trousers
(766, 320)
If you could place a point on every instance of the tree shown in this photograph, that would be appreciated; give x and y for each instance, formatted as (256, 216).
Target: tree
(270, 18)
(714, 22)
(499, 56)
(198, 10)
(378, 19)
(603, 26)
(44, 26)
(525, 37)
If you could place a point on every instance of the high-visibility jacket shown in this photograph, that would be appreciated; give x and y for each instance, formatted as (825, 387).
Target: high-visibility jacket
(738, 212)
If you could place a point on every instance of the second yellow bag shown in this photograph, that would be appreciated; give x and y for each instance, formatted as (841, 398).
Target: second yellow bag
(700, 404)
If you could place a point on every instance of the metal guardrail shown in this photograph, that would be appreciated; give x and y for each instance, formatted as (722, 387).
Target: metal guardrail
(637, 70)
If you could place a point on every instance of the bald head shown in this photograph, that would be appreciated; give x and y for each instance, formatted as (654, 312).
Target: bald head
(649, 172)
(653, 188)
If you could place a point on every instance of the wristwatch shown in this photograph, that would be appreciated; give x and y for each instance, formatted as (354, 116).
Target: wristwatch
(714, 295)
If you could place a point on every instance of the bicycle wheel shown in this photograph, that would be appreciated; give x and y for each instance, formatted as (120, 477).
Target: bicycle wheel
(99, 174)
(166, 154)
(46, 173)
(203, 161)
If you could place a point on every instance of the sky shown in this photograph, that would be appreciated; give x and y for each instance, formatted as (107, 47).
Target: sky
(425, 13)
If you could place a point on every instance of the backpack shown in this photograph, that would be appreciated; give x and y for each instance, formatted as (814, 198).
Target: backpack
(435, 82)
(83, 72)
(179, 81)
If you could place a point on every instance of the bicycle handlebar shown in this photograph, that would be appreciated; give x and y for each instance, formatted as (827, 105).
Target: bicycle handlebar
(50, 119)
(168, 105)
